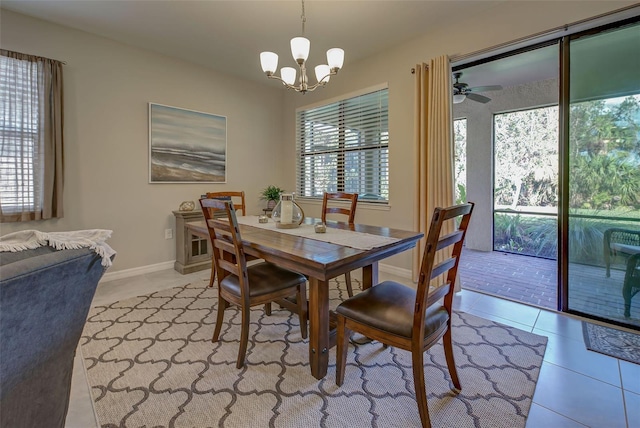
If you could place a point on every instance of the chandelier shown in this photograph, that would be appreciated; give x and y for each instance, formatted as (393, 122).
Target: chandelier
(300, 51)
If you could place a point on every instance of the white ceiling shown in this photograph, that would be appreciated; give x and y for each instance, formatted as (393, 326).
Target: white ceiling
(229, 35)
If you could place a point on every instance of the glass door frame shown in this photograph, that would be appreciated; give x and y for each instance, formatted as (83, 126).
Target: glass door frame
(564, 167)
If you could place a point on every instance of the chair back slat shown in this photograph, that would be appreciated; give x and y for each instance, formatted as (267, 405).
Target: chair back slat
(443, 267)
(454, 211)
(238, 205)
(224, 232)
(223, 245)
(449, 239)
(431, 268)
(350, 212)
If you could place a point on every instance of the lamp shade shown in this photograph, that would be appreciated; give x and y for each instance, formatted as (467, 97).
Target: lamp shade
(269, 62)
(288, 74)
(458, 98)
(300, 48)
(322, 71)
(335, 58)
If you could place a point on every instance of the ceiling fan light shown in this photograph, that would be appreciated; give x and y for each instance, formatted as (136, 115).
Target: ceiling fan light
(288, 74)
(300, 49)
(458, 98)
(269, 62)
(335, 58)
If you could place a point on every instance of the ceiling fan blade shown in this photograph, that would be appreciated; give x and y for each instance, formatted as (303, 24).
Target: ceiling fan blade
(479, 98)
(485, 88)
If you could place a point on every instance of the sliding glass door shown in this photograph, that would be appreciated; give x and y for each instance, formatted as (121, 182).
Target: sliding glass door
(602, 173)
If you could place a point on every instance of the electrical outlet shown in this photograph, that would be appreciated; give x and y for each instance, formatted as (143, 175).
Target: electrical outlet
(168, 234)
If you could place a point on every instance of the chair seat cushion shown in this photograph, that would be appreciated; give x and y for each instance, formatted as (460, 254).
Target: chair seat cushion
(264, 278)
(389, 306)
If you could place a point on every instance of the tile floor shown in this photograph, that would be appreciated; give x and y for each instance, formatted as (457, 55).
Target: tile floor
(576, 388)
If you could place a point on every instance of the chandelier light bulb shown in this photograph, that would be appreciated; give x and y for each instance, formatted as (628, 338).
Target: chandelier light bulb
(269, 62)
(288, 74)
(323, 73)
(335, 58)
(300, 49)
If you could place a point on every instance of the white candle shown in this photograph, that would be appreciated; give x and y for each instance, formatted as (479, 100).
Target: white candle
(287, 212)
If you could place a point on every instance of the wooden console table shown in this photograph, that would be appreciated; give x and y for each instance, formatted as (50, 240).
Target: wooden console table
(193, 252)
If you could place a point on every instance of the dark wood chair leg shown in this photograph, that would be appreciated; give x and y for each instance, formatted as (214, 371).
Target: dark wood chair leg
(222, 305)
(244, 337)
(451, 364)
(347, 277)
(213, 274)
(267, 309)
(421, 391)
(341, 353)
(301, 297)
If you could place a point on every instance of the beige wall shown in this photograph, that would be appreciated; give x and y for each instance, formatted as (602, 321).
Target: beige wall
(108, 86)
(500, 24)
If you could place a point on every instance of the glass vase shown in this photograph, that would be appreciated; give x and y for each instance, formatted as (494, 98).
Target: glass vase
(287, 214)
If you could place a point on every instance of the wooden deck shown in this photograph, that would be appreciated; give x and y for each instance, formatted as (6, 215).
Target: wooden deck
(533, 281)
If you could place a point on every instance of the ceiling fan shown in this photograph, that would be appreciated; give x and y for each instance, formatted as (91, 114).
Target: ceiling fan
(461, 91)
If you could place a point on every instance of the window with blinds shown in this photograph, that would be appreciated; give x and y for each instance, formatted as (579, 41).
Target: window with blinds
(19, 133)
(343, 146)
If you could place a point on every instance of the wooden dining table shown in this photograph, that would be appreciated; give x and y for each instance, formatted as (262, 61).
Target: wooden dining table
(320, 261)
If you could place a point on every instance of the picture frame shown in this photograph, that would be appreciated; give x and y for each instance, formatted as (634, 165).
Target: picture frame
(186, 146)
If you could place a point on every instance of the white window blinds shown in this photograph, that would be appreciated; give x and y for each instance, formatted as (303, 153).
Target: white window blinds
(20, 99)
(31, 146)
(344, 147)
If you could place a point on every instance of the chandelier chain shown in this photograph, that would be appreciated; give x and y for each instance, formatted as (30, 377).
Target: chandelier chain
(304, 18)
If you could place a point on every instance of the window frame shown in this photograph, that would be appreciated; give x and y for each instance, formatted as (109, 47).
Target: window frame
(32, 138)
(378, 149)
(26, 152)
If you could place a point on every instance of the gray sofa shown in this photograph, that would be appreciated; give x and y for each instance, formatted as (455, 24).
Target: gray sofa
(45, 296)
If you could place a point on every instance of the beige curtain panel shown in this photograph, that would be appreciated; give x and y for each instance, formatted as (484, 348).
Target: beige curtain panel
(433, 136)
(31, 167)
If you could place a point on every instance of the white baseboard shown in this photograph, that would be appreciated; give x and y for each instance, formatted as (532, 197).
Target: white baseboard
(111, 276)
(402, 273)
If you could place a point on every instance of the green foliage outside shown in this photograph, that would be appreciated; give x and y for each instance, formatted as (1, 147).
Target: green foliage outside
(605, 154)
(604, 163)
(538, 235)
(460, 154)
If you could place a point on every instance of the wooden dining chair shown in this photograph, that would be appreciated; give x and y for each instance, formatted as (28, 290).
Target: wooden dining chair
(328, 207)
(242, 285)
(411, 319)
(237, 198)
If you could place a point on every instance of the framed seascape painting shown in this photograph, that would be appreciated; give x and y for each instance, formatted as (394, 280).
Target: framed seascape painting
(186, 146)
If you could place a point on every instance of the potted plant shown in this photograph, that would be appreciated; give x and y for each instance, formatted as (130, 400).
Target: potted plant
(271, 194)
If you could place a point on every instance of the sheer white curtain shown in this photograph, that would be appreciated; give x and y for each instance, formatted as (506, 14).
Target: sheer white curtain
(31, 152)
(433, 135)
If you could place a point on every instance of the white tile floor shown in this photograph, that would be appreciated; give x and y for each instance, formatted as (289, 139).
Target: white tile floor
(576, 388)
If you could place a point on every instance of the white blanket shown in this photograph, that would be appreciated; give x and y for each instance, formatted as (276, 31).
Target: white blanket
(30, 239)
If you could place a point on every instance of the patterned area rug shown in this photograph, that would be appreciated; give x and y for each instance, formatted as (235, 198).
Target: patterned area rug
(613, 342)
(150, 362)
